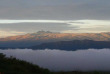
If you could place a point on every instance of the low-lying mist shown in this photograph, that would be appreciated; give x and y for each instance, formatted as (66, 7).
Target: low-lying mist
(57, 60)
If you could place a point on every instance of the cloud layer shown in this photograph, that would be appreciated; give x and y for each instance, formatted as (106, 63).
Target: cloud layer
(56, 60)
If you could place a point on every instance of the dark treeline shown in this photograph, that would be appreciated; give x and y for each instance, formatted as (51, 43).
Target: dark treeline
(15, 66)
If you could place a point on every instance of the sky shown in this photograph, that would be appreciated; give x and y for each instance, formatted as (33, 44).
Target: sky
(19, 17)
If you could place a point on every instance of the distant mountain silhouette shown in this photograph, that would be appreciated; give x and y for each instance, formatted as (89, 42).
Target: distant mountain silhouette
(40, 37)
(74, 45)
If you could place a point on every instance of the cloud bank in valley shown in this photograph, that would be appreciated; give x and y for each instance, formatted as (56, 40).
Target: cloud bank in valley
(57, 60)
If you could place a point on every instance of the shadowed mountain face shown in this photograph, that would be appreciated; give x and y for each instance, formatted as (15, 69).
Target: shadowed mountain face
(74, 45)
(44, 37)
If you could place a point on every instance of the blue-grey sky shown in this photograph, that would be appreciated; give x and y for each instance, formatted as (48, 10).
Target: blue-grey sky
(88, 15)
(55, 9)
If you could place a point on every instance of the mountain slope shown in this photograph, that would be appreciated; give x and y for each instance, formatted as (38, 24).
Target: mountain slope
(74, 45)
(44, 37)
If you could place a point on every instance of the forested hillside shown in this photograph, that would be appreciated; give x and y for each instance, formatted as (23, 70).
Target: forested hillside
(14, 66)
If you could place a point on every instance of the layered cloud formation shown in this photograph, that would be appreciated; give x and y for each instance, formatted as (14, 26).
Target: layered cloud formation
(76, 15)
(64, 26)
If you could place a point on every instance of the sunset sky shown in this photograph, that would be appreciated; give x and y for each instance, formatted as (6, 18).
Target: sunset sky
(67, 16)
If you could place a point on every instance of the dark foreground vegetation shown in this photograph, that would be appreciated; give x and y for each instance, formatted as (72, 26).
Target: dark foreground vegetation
(15, 66)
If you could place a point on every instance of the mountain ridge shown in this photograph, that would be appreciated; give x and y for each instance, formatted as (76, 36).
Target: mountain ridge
(57, 35)
(44, 37)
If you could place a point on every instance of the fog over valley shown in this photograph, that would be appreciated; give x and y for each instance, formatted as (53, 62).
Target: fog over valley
(57, 60)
